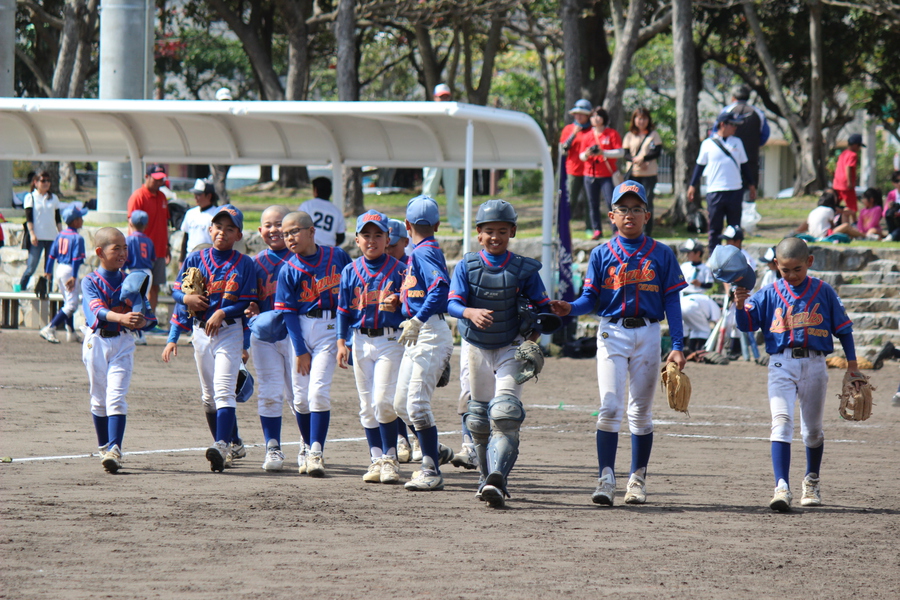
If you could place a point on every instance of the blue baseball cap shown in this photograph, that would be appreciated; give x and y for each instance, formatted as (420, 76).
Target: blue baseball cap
(629, 187)
(139, 218)
(398, 230)
(728, 264)
(72, 212)
(423, 210)
(372, 216)
(234, 213)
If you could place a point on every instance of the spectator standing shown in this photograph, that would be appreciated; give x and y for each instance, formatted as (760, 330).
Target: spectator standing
(42, 223)
(844, 183)
(723, 160)
(753, 131)
(569, 141)
(152, 201)
(642, 147)
(431, 176)
(327, 218)
(892, 205)
(197, 220)
(599, 149)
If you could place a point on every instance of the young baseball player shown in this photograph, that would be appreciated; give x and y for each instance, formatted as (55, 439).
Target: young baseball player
(798, 315)
(697, 309)
(141, 254)
(428, 341)
(632, 283)
(107, 354)
(397, 247)
(218, 332)
(485, 293)
(734, 236)
(306, 295)
(771, 274)
(369, 304)
(67, 252)
(272, 359)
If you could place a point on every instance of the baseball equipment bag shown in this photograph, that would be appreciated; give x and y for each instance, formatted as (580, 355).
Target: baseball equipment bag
(531, 361)
(192, 282)
(856, 397)
(677, 386)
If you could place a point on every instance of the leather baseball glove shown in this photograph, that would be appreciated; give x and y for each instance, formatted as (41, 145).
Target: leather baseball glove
(192, 282)
(856, 397)
(531, 361)
(677, 386)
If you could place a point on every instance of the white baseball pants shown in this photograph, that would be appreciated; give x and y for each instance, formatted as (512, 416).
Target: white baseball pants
(803, 379)
(697, 312)
(627, 363)
(218, 361)
(464, 388)
(376, 365)
(62, 273)
(420, 369)
(492, 372)
(273, 363)
(312, 393)
(109, 363)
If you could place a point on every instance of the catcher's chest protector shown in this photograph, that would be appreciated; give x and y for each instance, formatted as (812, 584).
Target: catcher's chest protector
(496, 289)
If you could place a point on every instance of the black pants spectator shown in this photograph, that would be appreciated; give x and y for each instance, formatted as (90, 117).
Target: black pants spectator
(34, 260)
(723, 206)
(597, 186)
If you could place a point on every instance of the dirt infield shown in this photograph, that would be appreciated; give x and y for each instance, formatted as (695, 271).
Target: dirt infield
(166, 527)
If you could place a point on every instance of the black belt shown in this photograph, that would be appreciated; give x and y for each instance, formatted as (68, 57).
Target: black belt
(803, 352)
(375, 331)
(106, 333)
(202, 324)
(634, 322)
(320, 313)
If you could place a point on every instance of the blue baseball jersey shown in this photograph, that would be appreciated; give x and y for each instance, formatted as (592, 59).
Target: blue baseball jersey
(101, 295)
(364, 286)
(310, 282)
(532, 287)
(427, 282)
(630, 278)
(230, 281)
(141, 253)
(805, 316)
(268, 265)
(67, 249)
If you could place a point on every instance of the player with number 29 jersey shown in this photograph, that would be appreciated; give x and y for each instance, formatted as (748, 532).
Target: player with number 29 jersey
(327, 218)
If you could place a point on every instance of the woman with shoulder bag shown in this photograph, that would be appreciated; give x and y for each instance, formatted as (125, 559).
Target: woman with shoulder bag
(42, 223)
(600, 147)
(642, 147)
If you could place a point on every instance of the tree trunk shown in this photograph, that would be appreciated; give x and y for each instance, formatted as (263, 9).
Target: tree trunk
(431, 67)
(348, 91)
(569, 13)
(626, 44)
(295, 14)
(479, 95)
(687, 88)
(68, 178)
(220, 174)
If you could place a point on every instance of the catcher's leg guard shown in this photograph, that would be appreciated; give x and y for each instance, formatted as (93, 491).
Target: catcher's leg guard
(506, 414)
(476, 420)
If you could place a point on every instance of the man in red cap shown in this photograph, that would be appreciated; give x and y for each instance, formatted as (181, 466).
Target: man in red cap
(151, 200)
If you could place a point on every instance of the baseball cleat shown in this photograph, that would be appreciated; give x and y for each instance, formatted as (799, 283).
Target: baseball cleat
(781, 501)
(635, 492)
(315, 464)
(229, 458)
(238, 450)
(465, 458)
(425, 480)
(390, 470)
(301, 458)
(112, 459)
(216, 454)
(896, 400)
(274, 457)
(606, 490)
(404, 451)
(373, 475)
(49, 335)
(445, 454)
(73, 337)
(492, 490)
(811, 494)
(139, 338)
(416, 450)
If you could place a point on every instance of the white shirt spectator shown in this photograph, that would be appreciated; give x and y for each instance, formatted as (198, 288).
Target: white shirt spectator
(701, 273)
(44, 212)
(196, 226)
(820, 220)
(327, 218)
(722, 173)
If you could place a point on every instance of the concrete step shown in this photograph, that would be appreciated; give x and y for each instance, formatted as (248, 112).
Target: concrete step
(875, 320)
(871, 305)
(863, 290)
(838, 278)
(876, 337)
(869, 352)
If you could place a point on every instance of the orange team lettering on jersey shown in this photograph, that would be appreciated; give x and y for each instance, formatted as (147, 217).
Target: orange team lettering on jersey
(620, 277)
(782, 322)
(269, 287)
(311, 293)
(363, 298)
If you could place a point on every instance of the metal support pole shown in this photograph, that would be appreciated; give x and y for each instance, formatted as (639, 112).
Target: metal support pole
(467, 203)
(7, 85)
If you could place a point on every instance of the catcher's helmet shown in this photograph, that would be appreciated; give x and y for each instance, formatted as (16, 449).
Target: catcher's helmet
(244, 388)
(496, 210)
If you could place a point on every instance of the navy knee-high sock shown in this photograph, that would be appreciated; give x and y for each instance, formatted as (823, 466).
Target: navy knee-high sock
(781, 461)
(428, 441)
(640, 451)
(58, 320)
(318, 429)
(271, 427)
(70, 322)
(814, 459)
(116, 429)
(225, 418)
(303, 422)
(389, 437)
(211, 423)
(607, 444)
(401, 429)
(235, 436)
(101, 426)
(373, 440)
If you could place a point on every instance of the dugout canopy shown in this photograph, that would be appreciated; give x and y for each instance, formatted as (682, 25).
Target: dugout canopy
(353, 134)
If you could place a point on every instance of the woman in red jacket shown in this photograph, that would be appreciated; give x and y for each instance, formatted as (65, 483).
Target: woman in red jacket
(600, 147)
